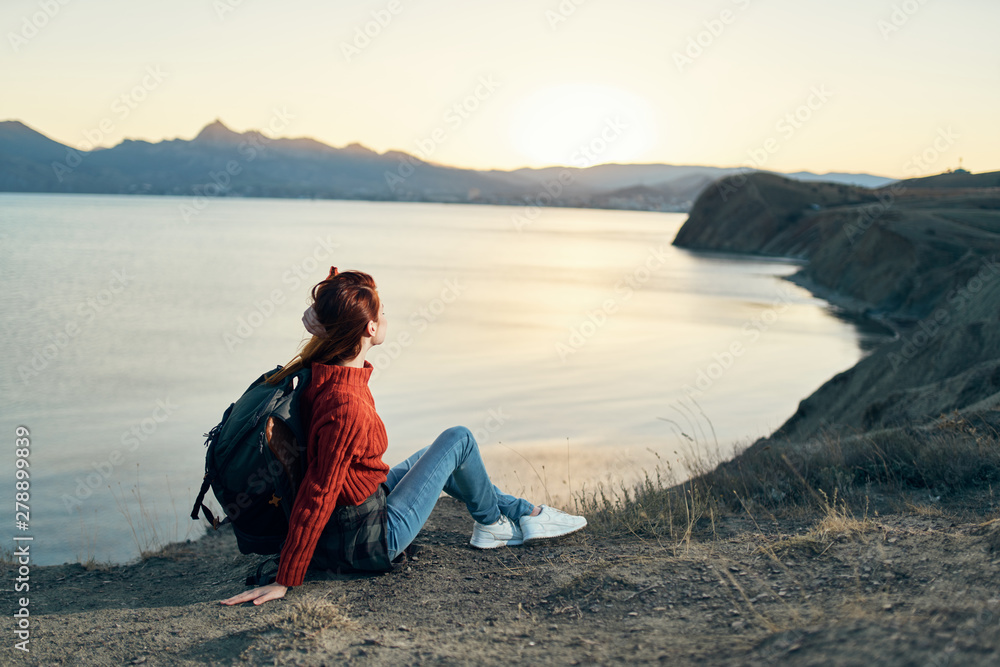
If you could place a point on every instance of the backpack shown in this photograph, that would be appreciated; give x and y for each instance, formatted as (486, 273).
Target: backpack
(255, 462)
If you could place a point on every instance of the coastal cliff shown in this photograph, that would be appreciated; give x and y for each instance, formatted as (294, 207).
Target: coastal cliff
(918, 255)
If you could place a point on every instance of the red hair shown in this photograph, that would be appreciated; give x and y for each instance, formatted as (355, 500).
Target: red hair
(344, 303)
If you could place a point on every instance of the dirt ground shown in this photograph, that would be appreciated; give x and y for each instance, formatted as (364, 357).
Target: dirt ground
(920, 588)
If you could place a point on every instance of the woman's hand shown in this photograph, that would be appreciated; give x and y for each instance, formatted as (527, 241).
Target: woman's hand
(258, 595)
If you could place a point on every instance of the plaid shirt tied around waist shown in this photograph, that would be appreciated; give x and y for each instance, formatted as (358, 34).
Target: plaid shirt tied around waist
(354, 539)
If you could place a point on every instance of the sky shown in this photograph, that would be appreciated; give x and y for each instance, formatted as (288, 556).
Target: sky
(898, 88)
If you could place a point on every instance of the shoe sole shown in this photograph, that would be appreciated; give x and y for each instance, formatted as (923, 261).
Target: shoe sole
(495, 544)
(529, 540)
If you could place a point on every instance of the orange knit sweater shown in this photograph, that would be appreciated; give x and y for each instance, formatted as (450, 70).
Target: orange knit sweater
(344, 451)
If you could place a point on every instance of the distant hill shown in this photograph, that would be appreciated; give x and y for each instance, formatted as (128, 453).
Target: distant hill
(959, 178)
(222, 162)
(864, 180)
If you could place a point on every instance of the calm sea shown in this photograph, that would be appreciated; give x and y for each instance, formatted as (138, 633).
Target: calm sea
(580, 336)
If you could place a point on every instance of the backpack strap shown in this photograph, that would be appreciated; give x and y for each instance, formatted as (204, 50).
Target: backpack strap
(206, 483)
(199, 503)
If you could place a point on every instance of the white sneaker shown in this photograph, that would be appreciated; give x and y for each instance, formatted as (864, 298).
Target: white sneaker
(550, 522)
(503, 533)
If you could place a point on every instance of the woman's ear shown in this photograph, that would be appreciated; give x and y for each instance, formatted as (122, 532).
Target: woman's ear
(372, 328)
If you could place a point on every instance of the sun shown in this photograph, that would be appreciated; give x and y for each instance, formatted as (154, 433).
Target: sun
(582, 124)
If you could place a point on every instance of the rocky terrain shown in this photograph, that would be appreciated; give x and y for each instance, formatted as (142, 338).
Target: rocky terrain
(914, 588)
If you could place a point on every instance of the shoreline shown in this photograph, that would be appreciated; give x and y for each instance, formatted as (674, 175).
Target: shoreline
(853, 310)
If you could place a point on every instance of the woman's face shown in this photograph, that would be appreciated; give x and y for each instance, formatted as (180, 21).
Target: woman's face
(383, 326)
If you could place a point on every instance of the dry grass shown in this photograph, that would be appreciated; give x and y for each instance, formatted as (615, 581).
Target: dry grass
(922, 509)
(150, 531)
(92, 565)
(949, 457)
(312, 615)
(839, 521)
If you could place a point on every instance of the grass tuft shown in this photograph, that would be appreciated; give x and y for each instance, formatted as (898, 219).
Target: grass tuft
(313, 615)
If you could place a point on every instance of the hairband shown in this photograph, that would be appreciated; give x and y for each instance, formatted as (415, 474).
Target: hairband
(312, 323)
(310, 319)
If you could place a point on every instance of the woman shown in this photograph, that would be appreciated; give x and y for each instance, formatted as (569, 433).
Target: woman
(361, 513)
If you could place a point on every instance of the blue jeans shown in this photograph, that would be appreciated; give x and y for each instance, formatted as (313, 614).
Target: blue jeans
(451, 464)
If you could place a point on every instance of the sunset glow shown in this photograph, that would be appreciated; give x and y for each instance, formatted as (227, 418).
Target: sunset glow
(583, 124)
(698, 84)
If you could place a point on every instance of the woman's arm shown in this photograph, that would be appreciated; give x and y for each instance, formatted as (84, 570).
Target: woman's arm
(340, 436)
(314, 503)
(341, 433)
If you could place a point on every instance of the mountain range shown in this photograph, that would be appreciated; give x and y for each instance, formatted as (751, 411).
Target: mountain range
(221, 162)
